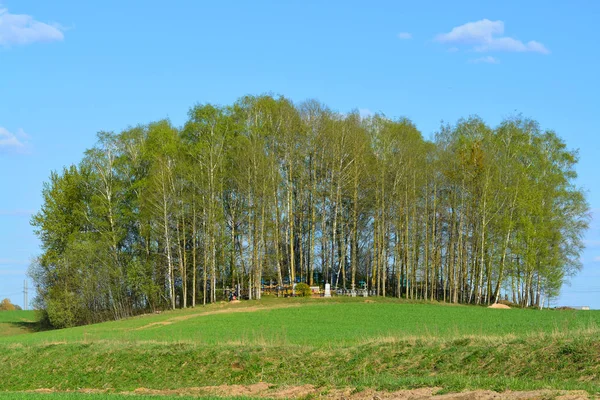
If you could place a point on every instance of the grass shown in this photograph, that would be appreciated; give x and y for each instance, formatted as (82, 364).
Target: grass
(17, 316)
(385, 344)
(14, 323)
(318, 322)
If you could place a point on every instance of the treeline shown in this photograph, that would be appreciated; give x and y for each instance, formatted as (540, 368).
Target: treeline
(6, 305)
(265, 190)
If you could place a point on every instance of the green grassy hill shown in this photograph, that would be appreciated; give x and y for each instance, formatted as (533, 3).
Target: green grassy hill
(17, 316)
(14, 323)
(329, 343)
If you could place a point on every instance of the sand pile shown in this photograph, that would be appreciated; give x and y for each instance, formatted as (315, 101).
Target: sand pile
(504, 306)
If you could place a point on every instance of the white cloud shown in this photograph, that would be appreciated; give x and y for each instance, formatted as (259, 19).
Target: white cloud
(485, 60)
(21, 29)
(472, 32)
(486, 35)
(597, 259)
(13, 141)
(405, 35)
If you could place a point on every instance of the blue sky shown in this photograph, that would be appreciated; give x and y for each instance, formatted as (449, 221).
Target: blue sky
(69, 69)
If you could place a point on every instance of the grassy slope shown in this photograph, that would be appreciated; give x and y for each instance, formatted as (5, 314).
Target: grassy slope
(16, 322)
(318, 322)
(386, 344)
(17, 316)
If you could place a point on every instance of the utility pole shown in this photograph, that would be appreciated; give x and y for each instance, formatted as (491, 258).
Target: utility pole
(25, 294)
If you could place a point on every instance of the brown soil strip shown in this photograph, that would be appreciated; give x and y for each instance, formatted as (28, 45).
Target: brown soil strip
(265, 390)
(269, 391)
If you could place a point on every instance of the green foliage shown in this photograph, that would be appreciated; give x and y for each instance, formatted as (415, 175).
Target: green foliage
(303, 290)
(158, 217)
(62, 309)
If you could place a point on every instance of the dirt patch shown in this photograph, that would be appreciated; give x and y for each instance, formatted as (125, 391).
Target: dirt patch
(269, 391)
(498, 305)
(534, 394)
(293, 392)
(222, 390)
(265, 390)
(370, 394)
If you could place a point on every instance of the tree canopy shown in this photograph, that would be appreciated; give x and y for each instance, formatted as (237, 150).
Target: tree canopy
(6, 305)
(265, 190)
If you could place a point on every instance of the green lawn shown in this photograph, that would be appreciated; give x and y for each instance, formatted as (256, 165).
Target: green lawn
(17, 316)
(320, 322)
(14, 323)
(382, 344)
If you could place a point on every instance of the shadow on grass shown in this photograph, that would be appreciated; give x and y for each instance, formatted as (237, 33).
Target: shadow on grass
(30, 326)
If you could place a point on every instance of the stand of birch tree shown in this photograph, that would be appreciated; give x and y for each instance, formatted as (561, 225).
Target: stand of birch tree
(267, 191)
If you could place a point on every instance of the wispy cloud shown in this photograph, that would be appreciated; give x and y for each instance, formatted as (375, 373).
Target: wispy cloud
(17, 212)
(22, 29)
(597, 259)
(405, 35)
(485, 60)
(13, 141)
(486, 36)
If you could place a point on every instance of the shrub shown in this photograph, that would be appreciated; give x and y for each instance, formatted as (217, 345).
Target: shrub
(302, 289)
(63, 308)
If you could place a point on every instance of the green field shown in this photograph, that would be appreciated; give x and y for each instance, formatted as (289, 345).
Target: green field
(317, 322)
(329, 343)
(14, 323)
(17, 316)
